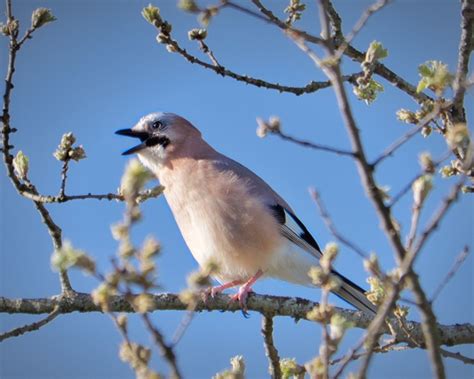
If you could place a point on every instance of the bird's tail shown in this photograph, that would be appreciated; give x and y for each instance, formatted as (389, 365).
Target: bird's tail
(354, 295)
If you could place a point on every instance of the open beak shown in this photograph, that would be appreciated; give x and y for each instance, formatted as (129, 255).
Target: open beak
(146, 139)
(143, 136)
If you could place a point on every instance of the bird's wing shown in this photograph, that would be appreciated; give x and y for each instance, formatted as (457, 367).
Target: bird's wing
(293, 229)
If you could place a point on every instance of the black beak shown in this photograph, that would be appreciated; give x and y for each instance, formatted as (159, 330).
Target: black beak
(146, 139)
(143, 136)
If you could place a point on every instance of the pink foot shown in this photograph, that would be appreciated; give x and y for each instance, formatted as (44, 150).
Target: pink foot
(244, 290)
(213, 291)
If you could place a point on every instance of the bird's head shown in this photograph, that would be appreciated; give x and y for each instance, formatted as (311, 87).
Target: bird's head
(160, 135)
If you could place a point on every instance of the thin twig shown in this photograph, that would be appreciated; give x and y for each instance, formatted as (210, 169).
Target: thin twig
(312, 145)
(457, 264)
(31, 327)
(166, 351)
(409, 185)
(270, 17)
(358, 26)
(389, 151)
(270, 350)
(332, 227)
(62, 189)
(182, 327)
(437, 218)
(458, 356)
(379, 68)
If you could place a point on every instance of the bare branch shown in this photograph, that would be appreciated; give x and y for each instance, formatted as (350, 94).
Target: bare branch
(366, 172)
(359, 24)
(294, 307)
(458, 356)
(332, 228)
(166, 350)
(270, 350)
(408, 186)
(31, 327)
(53, 229)
(285, 27)
(312, 145)
(62, 189)
(466, 45)
(437, 218)
(457, 263)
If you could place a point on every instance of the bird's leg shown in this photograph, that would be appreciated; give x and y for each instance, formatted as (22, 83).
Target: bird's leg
(244, 290)
(213, 291)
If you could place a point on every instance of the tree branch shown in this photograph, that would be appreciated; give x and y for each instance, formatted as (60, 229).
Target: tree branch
(466, 45)
(296, 308)
(33, 326)
(270, 350)
(312, 145)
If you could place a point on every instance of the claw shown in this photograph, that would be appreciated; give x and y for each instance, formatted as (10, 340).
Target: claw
(244, 290)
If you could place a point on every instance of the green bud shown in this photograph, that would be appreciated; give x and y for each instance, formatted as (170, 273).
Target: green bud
(317, 275)
(4, 29)
(137, 356)
(162, 38)
(426, 162)
(320, 313)
(11, 28)
(171, 48)
(295, 11)
(77, 153)
(67, 256)
(21, 165)
(236, 372)
(377, 292)
(338, 326)
(407, 116)
(467, 189)
(421, 188)
(238, 365)
(188, 6)
(291, 369)
(197, 34)
(457, 136)
(143, 303)
(134, 179)
(447, 171)
(119, 231)
(40, 17)
(273, 125)
(368, 92)
(435, 76)
(375, 52)
(151, 247)
(426, 131)
(152, 15)
(401, 311)
(101, 296)
(122, 322)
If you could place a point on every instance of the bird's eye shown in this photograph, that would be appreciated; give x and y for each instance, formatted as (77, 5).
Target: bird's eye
(157, 125)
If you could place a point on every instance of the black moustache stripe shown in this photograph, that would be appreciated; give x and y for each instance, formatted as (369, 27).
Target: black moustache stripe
(158, 140)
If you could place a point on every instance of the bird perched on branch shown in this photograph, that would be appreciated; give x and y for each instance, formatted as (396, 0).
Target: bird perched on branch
(227, 214)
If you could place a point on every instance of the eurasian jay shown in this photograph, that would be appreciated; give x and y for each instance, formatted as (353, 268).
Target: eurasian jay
(227, 214)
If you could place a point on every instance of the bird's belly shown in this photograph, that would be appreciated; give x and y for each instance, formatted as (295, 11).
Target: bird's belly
(239, 241)
(292, 264)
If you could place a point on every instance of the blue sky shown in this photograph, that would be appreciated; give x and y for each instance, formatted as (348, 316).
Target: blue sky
(98, 68)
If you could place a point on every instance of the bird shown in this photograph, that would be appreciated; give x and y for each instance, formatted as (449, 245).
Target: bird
(227, 214)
